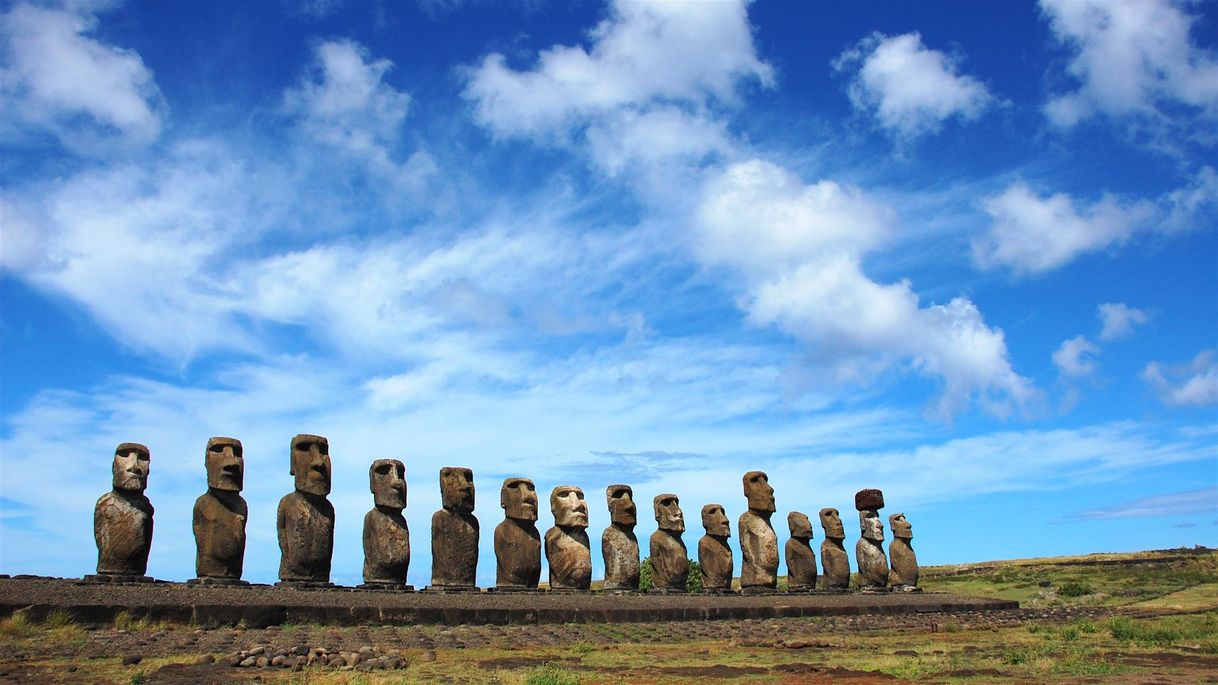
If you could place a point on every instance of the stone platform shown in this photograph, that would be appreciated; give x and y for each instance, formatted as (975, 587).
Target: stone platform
(261, 605)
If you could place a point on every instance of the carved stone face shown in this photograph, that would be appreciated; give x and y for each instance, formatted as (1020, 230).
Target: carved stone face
(225, 463)
(311, 464)
(518, 497)
(799, 525)
(900, 527)
(568, 506)
(758, 491)
(387, 481)
(714, 520)
(621, 505)
(457, 488)
(130, 467)
(872, 528)
(831, 522)
(668, 513)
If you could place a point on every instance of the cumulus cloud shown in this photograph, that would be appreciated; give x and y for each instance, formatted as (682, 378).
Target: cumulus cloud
(908, 87)
(651, 72)
(56, 77)
(1075, 357)
(1032, 234)
(1193, 384)
(1118, 319)
(799, 248)
(1131, 58)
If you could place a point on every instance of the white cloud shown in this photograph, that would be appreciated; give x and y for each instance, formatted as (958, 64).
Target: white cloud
(56, 77)
(1075, 357)
(1191, 384)
(1132, 58)
(1032, 234)
(1202, 501)
(651, 73)
(799, 247)
(1118, 319)
(910, 88)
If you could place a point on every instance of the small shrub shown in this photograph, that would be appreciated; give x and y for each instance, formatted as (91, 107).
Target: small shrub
(59, 619)
(693, 581)
(137, 679)
(17, 625)
(551, 674)
(1075, 589)
(1125, 628)
(645, 575)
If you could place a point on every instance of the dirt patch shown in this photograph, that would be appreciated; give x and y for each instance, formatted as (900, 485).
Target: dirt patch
(1168, 659)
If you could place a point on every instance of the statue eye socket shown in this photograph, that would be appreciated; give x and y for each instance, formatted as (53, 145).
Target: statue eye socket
(383, 469)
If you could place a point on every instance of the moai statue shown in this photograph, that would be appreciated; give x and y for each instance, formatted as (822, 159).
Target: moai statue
(801, 560)
(122, 519)
(904, 575)
(758, 542)
(567, 548)
(833, 559)
(517, 542)
(669, 559)
(619, 547)
(305, 520)
(220, 515)
(714, 556)
(454, 533)
(386, 535)
(869, 551)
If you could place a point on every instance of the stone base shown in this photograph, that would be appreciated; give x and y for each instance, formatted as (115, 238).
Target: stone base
(221, 582)
(906, 588)
(833, 590)
(385, 587)
(452, 588)
(718, 591)
(874, 590)
(570, 590)
(513, 588)
(801, 589)
(620, 591)
(667, 591)
(758, 590)
(117, 578)
(307, 584)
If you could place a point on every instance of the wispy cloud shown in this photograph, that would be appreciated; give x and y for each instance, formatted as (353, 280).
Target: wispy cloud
(1193, 383)
(1202, 501)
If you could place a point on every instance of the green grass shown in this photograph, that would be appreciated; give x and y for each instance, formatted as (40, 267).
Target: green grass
(551, 674)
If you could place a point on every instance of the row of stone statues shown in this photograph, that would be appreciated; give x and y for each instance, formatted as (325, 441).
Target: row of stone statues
(305, 523)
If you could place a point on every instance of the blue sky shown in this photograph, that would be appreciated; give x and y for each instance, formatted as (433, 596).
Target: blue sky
(961, 252)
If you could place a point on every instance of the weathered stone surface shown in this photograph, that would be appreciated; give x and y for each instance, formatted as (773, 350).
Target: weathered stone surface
(834, 562)
(517, 542)
(669, 558)
(220, 513)
(567, 547)
(386, 535)
(868, 498)
(619, 546)
(758, 542)
(454, 531)
(122, 518)
(801, 560)
(714, 554)
(904, 573)
(305, 519)
(869, 553)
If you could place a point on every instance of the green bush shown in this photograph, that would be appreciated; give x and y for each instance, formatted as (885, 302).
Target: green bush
(645, 575)
(693, 581)
(1075, 589)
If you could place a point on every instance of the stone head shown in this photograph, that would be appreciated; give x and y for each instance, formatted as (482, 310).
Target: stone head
(518, 497)
(799, 525)
(621, 505)
(130, 467)
(568, 506)
(872, 527)
(714, 520)
(900, 527)
(387, 481)
(668, 513)
(758, 491)
(457, 489)
(831, 523)
(311, 464)
(225, 462)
